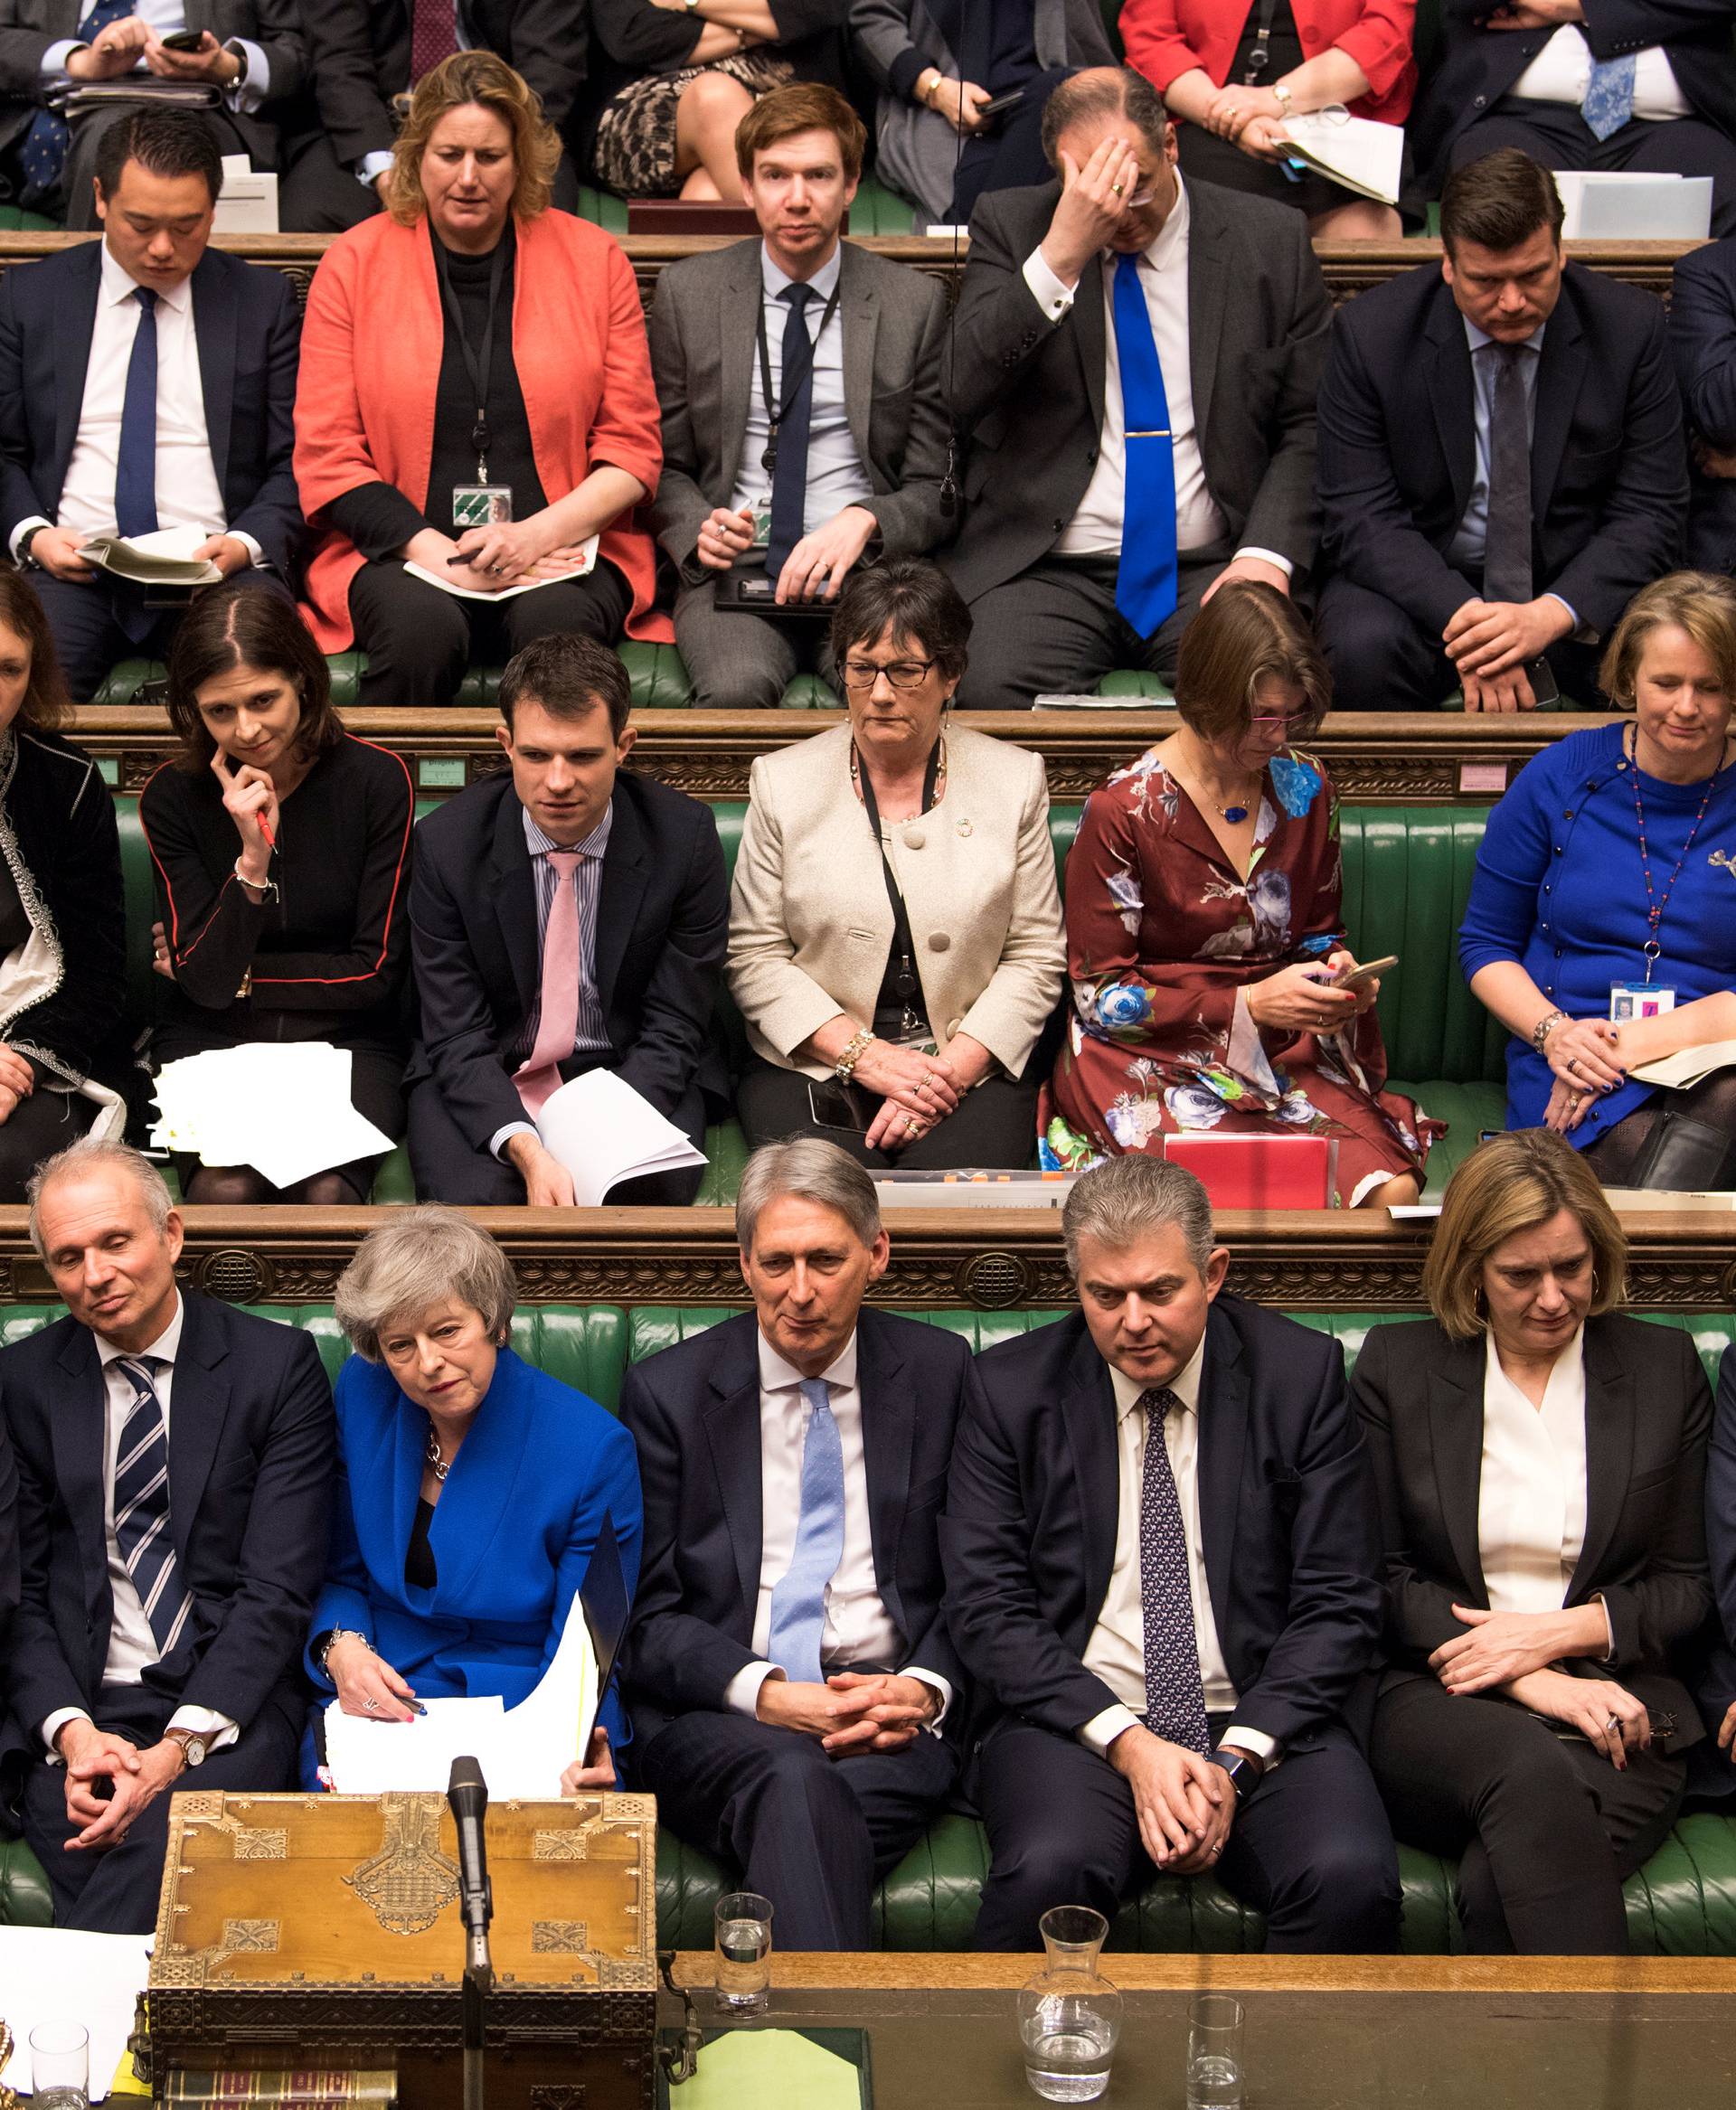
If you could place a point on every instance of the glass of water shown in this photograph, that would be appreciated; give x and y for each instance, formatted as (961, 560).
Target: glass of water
(1214, 2069)
(60, 2067)
(743, 1922)
(1069, 2015)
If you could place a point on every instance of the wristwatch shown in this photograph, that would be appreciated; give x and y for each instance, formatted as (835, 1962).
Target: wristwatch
(26, 539)
(1245, 1773)
(1285, 100)
(193, 1744)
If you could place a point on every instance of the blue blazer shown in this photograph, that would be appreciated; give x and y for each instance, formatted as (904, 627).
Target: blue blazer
(512, 1535)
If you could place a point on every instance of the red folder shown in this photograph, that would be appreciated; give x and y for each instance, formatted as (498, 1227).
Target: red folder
(1259, 1171)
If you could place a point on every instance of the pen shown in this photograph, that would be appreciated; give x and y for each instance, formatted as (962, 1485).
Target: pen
(265, 830)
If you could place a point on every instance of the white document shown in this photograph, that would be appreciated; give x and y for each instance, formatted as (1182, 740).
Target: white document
(282, 1106)
(1634, 206)
(163, 558)
(1688, 1065)
(522, 1750)
(447, 584)
(49, 1974)
(1357, 152)
(604, 1131)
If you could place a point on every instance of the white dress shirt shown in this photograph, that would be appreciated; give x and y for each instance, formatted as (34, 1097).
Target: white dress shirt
(1116, 1652)
(835, 476)
(858, 1628)
(1562, 69)
(1531, 1506)
(132, 1646)
(1095, 530)
(251, 85)
(188, 494)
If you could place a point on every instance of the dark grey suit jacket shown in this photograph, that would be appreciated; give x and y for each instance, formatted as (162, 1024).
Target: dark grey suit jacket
(28, 28)
(704, 332)
(1030, 392)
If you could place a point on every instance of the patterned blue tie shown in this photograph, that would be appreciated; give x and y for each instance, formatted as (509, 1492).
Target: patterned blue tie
(43, 155)
(1608, 95)
(799, 1601)
(1145, 585)
(1175, 1696)
(142, 1506)
(789, 478)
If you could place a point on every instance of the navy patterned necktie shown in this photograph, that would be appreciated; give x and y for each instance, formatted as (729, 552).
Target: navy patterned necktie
(1174, 1695)
(789, 478)
(43, 155)
(142, 1506)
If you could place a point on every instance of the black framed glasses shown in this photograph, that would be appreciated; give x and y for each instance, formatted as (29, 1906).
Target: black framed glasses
(902, 673)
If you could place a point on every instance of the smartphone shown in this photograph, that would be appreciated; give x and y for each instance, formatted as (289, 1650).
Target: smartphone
(839, 1105)
(997, 106)
(1370, 971)
(184, 40)
(1544, 685)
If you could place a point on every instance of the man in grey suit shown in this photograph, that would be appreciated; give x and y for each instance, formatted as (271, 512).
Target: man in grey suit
(781, 472)
(1136, 365)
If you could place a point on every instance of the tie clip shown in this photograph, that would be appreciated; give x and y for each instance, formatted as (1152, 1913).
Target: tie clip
(1164, 434)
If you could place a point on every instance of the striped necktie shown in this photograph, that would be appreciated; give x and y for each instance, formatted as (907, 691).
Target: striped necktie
(799, 1601)
(43, 155)
(1174, 1694)
(142, 1506)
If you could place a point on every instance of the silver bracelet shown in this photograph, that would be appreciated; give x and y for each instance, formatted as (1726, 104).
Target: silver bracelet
(333, 1638)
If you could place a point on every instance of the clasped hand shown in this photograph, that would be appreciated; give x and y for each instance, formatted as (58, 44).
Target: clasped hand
(510, 553)
(1500, 1647)
(137, 1777)
(852, 1710)
(1185, 1803)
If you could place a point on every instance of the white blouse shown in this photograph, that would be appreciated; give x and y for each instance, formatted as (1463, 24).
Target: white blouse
(1530, 1512)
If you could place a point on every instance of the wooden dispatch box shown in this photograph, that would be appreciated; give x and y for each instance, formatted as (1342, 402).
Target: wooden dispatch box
(323, 1929)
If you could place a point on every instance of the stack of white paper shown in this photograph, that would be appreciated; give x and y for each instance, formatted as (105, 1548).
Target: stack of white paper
(1608, 205)
(1688, 1065)
(604, 1131)
(52, 1975)
(444, 579)
(1356, 153)
(164, 557)
(281, 1107)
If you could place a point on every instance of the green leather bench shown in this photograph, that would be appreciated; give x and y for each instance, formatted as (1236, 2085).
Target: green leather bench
(1681, 1903)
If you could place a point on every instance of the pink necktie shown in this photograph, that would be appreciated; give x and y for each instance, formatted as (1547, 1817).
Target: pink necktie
(538, 1077)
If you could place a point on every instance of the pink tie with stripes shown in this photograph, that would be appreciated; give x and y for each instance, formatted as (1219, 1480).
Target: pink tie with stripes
(538, 1078)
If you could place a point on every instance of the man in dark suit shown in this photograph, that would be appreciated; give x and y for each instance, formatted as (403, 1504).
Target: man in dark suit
(794, 1696)
(1502, 464)
(566, 915)
(365, 58)
(1643, 85)
(147, 382)
(1162, 1571)
(8, 1532)
(862, 450)
(174, 1462)
(1136, 364)
(1703, 339)
(250, 56)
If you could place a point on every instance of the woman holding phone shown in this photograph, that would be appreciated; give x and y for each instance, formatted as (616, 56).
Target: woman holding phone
(280, 845)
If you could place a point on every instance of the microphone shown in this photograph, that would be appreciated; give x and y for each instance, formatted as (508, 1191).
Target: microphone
(467, 1793)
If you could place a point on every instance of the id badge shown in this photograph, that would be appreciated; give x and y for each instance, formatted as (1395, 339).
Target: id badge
(762, 523)
(481, 505)
(1629, 1001)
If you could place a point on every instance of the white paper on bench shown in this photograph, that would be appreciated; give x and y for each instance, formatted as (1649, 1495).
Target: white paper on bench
(54, 1974)
(605, 1132)
(283, 1107)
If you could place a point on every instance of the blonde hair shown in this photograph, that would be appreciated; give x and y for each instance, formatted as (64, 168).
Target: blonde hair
(479, 78)
(416, 1260)
(1702, 603)
(1512, 1184)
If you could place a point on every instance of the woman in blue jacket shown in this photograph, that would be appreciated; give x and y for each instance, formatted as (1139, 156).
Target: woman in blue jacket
(471, 1490)
(1605, 887)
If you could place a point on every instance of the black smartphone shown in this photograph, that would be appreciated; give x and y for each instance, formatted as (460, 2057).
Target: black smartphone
(997, 106)
(184, 40)
(1544, 685)
(839, 1105)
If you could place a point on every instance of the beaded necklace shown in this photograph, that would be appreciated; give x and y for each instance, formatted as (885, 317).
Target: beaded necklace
(1654, 909)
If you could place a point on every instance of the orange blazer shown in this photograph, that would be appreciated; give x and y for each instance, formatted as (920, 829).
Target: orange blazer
(371, 350)
(1167, 38)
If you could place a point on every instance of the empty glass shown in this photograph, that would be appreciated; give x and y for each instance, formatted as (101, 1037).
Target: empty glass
(60, 2067)
(1069, 2015)
(743, 1921)
(1214, 2076)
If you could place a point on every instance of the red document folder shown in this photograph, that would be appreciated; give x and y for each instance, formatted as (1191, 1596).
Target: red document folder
(1259, 1171)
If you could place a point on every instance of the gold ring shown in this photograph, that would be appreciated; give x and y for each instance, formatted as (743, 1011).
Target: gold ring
(913, 1128)
(1117, 188)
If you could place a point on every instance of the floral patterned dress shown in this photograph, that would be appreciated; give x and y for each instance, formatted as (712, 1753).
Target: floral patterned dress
(1164, 940)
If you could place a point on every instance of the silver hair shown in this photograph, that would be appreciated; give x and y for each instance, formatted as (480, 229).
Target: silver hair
(86, 1155)
(1125, 1199)
(416, 1260)
(811, 1169)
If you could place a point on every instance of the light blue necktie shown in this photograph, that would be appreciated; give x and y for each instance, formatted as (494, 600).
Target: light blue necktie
(799, 1601)
(1608, 96)
(1145, 585)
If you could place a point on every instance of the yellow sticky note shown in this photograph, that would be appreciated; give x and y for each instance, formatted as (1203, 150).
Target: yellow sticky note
(769, 2069)
(126, 2081)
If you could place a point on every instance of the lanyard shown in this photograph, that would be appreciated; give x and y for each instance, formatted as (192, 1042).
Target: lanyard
(1654, 909)
(797, 364)
(477, 367)
(903, 944)
(1260, 57)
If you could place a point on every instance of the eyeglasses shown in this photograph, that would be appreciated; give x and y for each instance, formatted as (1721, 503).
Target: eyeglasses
(1283, 722)
(1141, 198)
(902, 673)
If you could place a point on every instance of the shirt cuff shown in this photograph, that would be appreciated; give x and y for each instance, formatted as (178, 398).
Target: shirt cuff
(54, 1724)
(255, 555)
(1103, 1729)
(936, 1684)
(217, 1729)
(1052, 295)
(1608, 1655)
(1572, 613)
(1255, 1742)
(1269, 557)
(21, 530)
(54, 59)
(501, 1137)
(741, 1694)
(253, 84)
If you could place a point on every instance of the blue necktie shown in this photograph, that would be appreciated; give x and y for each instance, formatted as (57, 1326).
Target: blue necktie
(1174, 1695)
(1608, 96)
(135, 463)
(43, 155)
(799, 1601)
(789, 478)
(1145, 585)
(142, 1507)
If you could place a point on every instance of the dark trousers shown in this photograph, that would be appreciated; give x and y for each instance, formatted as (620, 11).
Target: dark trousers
(1311, 1847)
(1055, 631)
(422, 642)
(115, 1891)
(318, 195)
(1545, 1828)
(85, 622)
(994, 1127)
(1557, 136)
(47, 1121)
(811, 1832)
(741, 661)
(1383, 660)
(1011, 156)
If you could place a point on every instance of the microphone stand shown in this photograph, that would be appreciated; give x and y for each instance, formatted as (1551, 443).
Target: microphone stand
(468, 1795)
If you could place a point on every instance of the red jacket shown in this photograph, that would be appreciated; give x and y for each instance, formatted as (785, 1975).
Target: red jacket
(1167, 38)
(371, 350)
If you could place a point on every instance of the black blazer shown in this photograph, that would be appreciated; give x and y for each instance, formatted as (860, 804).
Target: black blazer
(1286, 1513)
(1398, 447)
(1717, 1681)
(1647, 1411)
(1476, 66)
(1702, 337)
(252, 1447)
(662, 925)
(8, 1532)
(248, 332)
(694, 1412)
(1030, 392)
